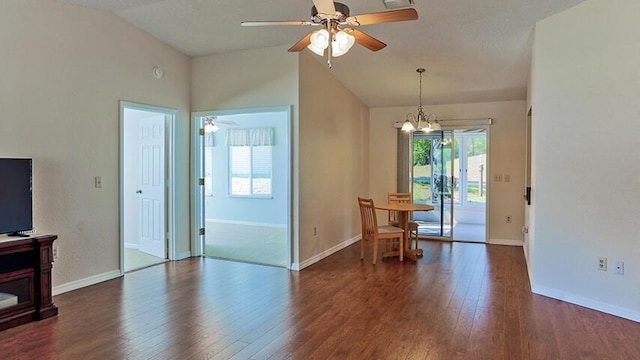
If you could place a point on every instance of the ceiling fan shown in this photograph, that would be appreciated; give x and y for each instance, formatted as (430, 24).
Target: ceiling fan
(337, 34)
(211, 124)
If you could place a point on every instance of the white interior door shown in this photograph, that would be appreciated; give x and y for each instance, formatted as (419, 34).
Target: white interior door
(152, 185)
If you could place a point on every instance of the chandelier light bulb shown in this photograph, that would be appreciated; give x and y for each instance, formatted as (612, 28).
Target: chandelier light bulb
(408, 126)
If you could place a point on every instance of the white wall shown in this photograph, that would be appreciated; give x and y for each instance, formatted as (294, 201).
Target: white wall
(334, 160)
(64, 70)
(506, 151)
(269, 210)
(586, 162)
(234, 81)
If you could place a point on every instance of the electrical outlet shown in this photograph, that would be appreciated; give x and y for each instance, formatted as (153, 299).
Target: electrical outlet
(497, 177)
(315, 231)
(55, 252)
(507, 177)
(602, 263)
(507, 219)
(619, 268)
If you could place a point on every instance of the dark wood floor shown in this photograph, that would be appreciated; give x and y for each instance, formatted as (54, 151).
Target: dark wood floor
(460, 301)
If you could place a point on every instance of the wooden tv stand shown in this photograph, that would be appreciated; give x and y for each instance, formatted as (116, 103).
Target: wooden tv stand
(25, 279)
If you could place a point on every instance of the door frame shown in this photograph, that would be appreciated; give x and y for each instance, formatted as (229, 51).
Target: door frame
(170, 170)
(197, 166)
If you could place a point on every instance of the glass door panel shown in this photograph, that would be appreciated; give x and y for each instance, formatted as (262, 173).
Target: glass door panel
(432, 182)
(455, 173)
(470, 185)
(476, 175)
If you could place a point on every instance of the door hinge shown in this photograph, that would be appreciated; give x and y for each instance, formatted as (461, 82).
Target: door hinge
(201, 132)
(201, 231)
(201, 181)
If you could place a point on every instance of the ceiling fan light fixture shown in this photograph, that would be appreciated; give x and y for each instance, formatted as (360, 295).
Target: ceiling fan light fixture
(210, 128)
(341, 43)
(319, 42)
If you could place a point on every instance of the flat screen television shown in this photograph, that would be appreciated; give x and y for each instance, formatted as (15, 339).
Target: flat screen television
(16, 206)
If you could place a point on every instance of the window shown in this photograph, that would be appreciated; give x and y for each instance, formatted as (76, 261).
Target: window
(250, 161)
(250, 170)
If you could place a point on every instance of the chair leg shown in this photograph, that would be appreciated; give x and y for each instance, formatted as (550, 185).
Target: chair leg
(375, 251)
(402, 242)
(361, 249)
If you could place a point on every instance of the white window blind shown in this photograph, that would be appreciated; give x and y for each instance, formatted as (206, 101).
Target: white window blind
(249, 137)
(250, 159)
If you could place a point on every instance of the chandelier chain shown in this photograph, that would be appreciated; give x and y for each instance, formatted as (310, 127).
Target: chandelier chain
(420, 99)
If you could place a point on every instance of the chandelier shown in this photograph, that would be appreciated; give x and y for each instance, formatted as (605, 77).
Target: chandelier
(426, 123)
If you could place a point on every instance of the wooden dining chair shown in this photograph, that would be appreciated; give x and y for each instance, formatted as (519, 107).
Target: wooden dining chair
(403, 197)
(394, 236)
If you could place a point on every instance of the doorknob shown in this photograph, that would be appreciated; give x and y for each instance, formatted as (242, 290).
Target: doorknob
(138, 191)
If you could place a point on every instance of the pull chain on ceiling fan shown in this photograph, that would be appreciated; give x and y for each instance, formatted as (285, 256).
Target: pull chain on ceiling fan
(337, 35)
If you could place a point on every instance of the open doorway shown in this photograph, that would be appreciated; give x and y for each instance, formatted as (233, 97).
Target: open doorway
(243, 161)
(145, 184)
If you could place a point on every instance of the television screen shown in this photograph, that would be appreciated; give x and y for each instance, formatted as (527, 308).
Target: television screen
(15, 196)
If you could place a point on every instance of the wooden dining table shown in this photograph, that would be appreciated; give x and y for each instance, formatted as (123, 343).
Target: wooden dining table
(403, 210)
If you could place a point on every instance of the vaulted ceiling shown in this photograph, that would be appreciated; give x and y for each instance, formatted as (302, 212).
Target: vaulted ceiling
(473, 50)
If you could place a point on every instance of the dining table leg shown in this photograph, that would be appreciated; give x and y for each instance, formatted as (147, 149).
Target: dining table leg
(404, 224)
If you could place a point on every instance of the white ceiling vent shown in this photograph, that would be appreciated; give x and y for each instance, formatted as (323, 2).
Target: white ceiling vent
(396, 4)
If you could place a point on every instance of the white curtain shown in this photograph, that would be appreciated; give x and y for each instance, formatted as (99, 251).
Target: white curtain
(250, 137)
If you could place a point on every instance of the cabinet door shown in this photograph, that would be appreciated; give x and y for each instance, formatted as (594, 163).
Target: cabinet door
(16, 290)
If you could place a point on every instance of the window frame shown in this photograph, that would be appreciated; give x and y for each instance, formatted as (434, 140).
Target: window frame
(251, 193)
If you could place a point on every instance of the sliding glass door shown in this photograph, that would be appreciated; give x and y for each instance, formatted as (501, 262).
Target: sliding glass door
(450, 172)
(432, 182)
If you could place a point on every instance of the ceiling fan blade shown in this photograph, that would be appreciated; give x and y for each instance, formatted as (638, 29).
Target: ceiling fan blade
(365, 40)
(225, 122)
(325, 6)
(301, 44)
(271, 23)
(383, 17)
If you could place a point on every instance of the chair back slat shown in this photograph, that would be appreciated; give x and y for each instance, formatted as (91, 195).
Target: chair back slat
(398, 197)
(368, 217)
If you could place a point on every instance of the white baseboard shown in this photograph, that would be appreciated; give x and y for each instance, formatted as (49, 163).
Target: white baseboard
(586, 302)
(314, 259)
(183, 255)
(132, 246)
(246, 223)
(508, 242)
(91, 280)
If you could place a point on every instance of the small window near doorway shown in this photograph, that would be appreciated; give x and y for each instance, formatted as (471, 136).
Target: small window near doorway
(250, 173)
(250, 161)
